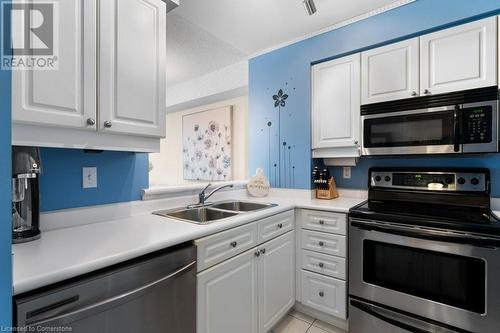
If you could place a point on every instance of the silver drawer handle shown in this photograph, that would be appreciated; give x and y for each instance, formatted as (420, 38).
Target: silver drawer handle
(90, 121)
(414, 93)
(108, 124)
(427, 91)
(321, 294)
(234, 244)
(321, 222)
(257, 254)
(321, 243)
(321, 265)
(263, 251)
(280, 225)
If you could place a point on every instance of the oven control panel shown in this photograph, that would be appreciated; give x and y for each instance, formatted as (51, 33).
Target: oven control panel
(477, 124)
(430, 181)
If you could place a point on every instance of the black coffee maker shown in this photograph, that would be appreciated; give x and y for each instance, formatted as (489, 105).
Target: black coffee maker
(26, 170)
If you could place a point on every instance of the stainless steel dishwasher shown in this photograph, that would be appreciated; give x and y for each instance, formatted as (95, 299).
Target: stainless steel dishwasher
(152, 294)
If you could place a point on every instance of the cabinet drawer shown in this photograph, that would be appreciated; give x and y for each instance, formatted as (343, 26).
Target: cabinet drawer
(324, 293)
(219, 247)
(324, 243)
(276, 225)
(324, 264)
(335, 223)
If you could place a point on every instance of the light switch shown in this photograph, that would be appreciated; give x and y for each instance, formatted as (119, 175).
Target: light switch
(89, 177)
(347, 172)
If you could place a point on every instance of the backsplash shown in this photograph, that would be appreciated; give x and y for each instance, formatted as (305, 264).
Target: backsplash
(280, 127)
(359, 173)
(120, 178)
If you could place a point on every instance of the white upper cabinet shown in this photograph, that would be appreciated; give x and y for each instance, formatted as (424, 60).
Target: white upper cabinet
(132, 67)
(390, 72)
(109, 90)
(336, 103)
(65, 97)
(459, 58)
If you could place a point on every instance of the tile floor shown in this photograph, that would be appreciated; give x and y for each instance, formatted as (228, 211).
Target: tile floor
(297, 322)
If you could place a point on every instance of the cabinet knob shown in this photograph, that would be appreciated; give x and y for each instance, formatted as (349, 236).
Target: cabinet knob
(414, 93)
(321, 243)
(108, 124)
(321, 222)
(263, 251)
(356, 142)
(427, 91)
(321, 265)
(321, 294)
(90, 121)
(280, 225)
(233, 244)
(257, 254)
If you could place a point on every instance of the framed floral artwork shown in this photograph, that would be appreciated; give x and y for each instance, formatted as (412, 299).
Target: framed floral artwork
(206, 142)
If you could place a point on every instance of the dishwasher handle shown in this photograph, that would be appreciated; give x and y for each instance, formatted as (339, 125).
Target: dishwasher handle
(111, 302)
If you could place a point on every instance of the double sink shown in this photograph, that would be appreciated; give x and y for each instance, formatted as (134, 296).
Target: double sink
(213, 212)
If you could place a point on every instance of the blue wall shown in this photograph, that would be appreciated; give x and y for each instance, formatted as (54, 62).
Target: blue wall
(288, 68)
(120, 177)
(5, 197)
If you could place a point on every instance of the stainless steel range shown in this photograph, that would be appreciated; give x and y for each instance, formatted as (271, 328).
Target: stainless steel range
(425, 253)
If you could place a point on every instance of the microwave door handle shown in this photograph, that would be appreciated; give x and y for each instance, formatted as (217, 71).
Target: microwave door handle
(456, 129)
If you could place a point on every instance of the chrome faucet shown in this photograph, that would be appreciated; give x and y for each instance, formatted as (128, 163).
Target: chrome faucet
(202, 196)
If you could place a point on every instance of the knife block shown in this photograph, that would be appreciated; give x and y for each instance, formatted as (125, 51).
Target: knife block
(329, 193)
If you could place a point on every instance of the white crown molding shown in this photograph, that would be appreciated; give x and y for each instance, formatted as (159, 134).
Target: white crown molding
(352, 20)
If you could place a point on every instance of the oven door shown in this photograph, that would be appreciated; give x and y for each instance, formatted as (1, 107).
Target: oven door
(443, 276)
(427, 131)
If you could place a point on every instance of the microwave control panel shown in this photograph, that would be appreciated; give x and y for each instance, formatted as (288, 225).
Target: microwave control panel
(477, 124)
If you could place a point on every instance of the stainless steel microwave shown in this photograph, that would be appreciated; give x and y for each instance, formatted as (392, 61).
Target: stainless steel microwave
(454, 123)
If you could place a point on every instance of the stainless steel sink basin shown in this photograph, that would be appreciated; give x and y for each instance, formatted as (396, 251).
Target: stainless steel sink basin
(212, 212)
(240, 206)
(201, 215)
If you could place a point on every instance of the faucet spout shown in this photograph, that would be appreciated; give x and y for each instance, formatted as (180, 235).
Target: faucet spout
(202, 196)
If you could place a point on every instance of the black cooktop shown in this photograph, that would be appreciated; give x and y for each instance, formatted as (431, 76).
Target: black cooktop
(450, 217)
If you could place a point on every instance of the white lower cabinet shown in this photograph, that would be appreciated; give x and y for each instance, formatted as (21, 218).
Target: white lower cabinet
(329, 295)
(228, 296)
(321, 271)
(248, 293)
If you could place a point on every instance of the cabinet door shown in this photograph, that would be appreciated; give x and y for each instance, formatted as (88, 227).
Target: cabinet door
(65, 97)
(132, 73)
(335, 103)
(390, 72)
(463, 57)
(276, 280)
(227, 296)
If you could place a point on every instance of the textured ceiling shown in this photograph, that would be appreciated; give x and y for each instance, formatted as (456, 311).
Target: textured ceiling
(192, 51)
(206, 35)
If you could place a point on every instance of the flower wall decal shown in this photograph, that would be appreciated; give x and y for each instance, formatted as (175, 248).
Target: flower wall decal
(207, 145)
(281, 164)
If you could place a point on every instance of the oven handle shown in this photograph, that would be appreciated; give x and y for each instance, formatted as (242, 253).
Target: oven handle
(428, 234)
(395, 319)
(456, 129)
(372, 312)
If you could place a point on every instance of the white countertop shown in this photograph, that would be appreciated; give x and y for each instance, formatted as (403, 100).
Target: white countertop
(69, 252)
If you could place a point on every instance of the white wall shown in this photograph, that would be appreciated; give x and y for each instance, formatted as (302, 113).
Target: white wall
(167, 165)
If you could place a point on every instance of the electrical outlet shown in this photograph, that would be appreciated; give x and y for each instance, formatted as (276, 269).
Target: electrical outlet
(89, 177)
(347, 172)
